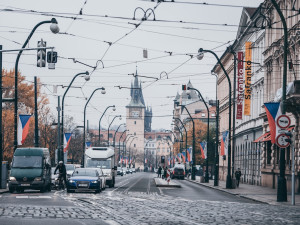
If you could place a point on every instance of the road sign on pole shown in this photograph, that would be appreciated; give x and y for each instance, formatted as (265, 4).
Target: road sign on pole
(281, 141)
(283, 121)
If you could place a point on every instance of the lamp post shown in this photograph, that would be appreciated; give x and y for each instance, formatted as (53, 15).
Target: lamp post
(120, 144)
(216, 180)
(185, 138)
(200, 56)
(117, 132)
(206, 179)
(175, 138)
(109, 127)
(281, 183)
(129, 150)
(87, 78)
(84, 115)
(125, 142)
(114, 109)
(55, 29)
(194, 146)
(180, 134)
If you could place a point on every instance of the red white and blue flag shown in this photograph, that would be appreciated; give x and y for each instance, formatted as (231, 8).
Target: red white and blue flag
(67, 139)
(273, 111)
(121, 159)
(224, 143)
(146, 160)
(23, 128)
(183, 157)
(203, 148)
(189, 154)
(169, 161)
(88, 144)
(179, 157)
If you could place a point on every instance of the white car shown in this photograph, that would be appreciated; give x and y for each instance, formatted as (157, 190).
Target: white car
(102, 177)
(70, 168)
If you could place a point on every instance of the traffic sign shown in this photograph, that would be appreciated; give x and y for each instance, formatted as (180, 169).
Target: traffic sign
(283, 121)
(281, 141)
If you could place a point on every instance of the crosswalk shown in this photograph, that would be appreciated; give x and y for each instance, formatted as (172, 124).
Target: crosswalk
(33, 197)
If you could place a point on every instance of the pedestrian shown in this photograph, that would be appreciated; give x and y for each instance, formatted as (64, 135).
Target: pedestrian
(238, 175)
(189, 173)
(159, 171)
(165, 172)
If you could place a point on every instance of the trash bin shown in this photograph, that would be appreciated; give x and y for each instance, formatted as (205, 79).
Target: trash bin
(233, 181)
(3, 182)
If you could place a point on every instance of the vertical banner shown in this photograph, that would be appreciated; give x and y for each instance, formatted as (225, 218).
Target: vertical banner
(23, 128)
(67, 139)
(248, 71)
(240, 88)
(224, 143)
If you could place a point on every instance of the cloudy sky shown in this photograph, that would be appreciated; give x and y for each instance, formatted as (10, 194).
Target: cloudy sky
(106, 31)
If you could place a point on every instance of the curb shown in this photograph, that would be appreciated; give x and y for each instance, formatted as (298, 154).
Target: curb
(2, 192)
(228, 192)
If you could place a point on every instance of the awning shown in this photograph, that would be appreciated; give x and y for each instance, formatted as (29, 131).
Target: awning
(264, 137)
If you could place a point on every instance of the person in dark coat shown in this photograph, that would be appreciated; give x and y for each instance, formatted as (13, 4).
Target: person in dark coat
(165, 173)
(238, 175)
(159, 171)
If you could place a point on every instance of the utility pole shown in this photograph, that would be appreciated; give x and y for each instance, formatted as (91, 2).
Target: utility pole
(216, 180)
(36, 119)
(58, 130)
(1, 141)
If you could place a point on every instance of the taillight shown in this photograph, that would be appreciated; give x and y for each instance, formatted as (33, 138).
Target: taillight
(173, 171)
(183, 172)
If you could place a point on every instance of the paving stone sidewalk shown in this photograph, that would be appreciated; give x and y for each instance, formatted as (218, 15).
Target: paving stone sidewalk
(253, 192)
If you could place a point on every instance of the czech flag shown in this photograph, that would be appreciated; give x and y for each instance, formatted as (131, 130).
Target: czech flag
(23, 128)
(67, 139)
(203, 148)
(183, 157)
(179, 157)
(88, 144)
(146, 160)
(169, 161)
(121, 159)
(224, 143)
(189, 154)
(273, 111)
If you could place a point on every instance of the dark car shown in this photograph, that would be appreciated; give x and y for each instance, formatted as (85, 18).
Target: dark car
(178, 172)
(119, 171)
(84, 179)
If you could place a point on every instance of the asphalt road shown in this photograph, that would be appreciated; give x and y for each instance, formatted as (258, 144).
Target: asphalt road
(136, 200)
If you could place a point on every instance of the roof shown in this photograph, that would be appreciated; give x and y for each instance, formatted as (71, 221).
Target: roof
(100, 152)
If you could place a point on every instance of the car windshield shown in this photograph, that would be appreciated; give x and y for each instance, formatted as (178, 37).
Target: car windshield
(27, 161)
(98, 163)
(89, 173)
(70, 167)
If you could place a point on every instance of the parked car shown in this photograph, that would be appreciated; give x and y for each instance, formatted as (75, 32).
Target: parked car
(70, 168)
(84, 179)
(130, 170)
(124, 169)
(119, 171)
(133, 170)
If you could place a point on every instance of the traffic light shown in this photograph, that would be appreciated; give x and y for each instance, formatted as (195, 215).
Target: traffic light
(51, 57)
(41, 54)
(162, 160)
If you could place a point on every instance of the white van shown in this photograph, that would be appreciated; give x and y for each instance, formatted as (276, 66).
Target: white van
(102, 158)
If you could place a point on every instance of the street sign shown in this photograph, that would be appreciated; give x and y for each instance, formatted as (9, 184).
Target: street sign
(281, 141)
(283, 121)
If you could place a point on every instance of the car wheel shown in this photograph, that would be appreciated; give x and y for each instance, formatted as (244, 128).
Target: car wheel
(11, 190)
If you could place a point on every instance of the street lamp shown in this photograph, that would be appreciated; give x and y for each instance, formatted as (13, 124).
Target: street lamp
(216, 180)
(200, 56)
(87, 77)
(129, 149)
(55, 29)
(185, 138)
(206, 179)
(109, 127)
(120, 144)
(84, 115)
(194, 145)
(175, 138)
(117, 132)
(114, 109)
(178, 128)
(125, 142)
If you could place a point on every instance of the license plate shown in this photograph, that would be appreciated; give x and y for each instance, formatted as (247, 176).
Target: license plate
(82, 185)
(25, 184)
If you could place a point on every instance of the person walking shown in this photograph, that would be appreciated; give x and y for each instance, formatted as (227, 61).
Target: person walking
(165, 173)
(159, 171)
(238, 175)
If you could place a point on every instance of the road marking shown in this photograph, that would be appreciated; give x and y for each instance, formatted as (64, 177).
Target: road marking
(148, 189)
(34, 197)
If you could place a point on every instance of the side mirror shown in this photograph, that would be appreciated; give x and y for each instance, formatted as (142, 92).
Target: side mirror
(115, 168)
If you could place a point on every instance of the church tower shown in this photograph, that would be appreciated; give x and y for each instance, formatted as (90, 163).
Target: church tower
(135, 124)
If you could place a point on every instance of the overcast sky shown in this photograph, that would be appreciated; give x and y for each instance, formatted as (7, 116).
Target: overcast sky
(168, 41)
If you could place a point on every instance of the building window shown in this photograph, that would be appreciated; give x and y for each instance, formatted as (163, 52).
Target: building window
(213, 115)
(159, 137)
(203, 114)
(134, 145)
(134, 122)
(134, 133)
(110, 135)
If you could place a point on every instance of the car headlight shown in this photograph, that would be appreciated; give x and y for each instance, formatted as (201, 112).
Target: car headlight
(37, 179)
(71, 181)
(12, 178)
(56, 179)
(94, 182)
